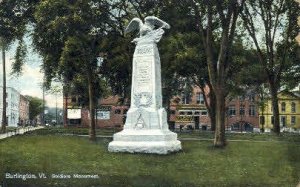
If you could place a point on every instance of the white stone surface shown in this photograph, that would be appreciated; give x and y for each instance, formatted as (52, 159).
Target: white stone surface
(12, 108)
(146, 128)
(145, 141)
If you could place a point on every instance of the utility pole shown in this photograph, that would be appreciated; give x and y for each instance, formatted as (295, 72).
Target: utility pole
(43, 114)
(56, 110)
(4, 121)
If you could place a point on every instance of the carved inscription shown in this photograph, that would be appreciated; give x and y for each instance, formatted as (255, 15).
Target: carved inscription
(143, 75)
(143, 50)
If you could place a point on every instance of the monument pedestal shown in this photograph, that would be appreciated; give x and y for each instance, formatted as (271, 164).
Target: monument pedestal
(145, 141)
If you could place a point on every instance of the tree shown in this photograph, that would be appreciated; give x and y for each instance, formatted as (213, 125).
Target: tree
(116, 67)
(67, 34)
(275, 20)
(12, 27)
(35, 107)
(216, 23)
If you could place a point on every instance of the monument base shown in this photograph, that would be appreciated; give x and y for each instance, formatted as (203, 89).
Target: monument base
(145, 141)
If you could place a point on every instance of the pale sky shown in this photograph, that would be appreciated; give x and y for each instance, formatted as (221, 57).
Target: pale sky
(29, 83)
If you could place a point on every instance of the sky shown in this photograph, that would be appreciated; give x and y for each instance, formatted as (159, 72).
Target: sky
(30, 81)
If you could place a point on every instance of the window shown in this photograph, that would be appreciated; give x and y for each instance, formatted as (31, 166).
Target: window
(103, 115)
(200, 98)
(293, 107)
(283, 121)
(185, 99)
(293, 120)
(252, 98)
(203, 113)
(272, 120)
(172, 111)
(283, 107)
(197, 113)
(271, 108)
(231, 111)
(73, 99)
(242, 110)
(181, 113)
(117, 111)
(189, 113)
(80, 100)
(242, 98)
(252, 110)
(262, 120)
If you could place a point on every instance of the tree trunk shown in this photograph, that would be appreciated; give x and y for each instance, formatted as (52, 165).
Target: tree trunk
(210, 105)
(275, 107)
(4, 121)
(212, 108)
(92, 130)
(66, 109)
(212, 115)
(219, 140)
(168, 110)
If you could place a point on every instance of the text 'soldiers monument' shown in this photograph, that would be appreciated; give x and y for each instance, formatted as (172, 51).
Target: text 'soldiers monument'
(146, 128)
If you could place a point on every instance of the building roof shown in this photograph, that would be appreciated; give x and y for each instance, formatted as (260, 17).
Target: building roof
(111, 100)
(288, 93)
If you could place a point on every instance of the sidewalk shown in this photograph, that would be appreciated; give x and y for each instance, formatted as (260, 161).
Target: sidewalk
(21, 130)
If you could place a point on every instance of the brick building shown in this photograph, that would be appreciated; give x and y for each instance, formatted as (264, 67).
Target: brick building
(191, 112)
(242, 112)
(23, 110)
(109, 114)
(187, 111)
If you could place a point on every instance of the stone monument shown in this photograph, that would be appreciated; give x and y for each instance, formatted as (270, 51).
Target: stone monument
(146, 128)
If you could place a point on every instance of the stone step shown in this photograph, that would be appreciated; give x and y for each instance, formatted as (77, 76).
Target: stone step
(145, 135)
(156, 147)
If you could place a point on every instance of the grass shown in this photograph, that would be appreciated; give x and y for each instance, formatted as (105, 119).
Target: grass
(270, 163)
(291, 137)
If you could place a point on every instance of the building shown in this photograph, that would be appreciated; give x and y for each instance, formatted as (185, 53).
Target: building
(188, 111)
(23, 110)
(108, 114)
(72, 111)
(242, 113)
(289, 111)
(12, 106)
(191, 112)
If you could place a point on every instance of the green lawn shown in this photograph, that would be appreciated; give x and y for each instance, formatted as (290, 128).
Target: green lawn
(270, 163)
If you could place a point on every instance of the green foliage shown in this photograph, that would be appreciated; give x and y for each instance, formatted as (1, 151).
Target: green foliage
(291, 75)
(14, 17)
(19, 58)
(12, 25)
(68, 34)
(63, 26)
(116, 67)
(35, 107)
